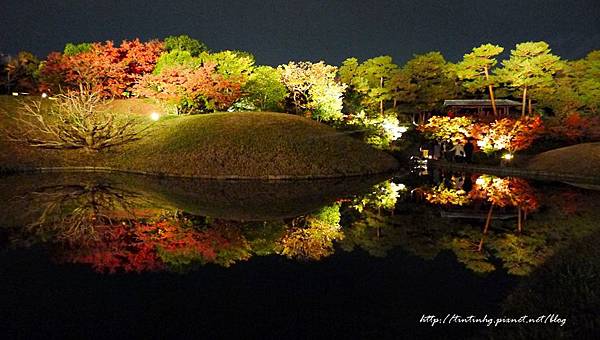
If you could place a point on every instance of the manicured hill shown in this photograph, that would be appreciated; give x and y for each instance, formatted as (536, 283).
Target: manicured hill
(251, 144)
(580, 159)
(224, 145)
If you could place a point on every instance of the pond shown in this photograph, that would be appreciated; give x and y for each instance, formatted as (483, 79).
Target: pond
(414, 255)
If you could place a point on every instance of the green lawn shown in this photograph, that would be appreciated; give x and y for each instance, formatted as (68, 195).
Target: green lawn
(580, 159)
(244, 144)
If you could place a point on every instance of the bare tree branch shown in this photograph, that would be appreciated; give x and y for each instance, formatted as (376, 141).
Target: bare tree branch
(76, 120)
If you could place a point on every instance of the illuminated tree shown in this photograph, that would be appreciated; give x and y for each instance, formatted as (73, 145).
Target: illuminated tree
(191, 90)
(185, 43)
(230, 64)
(371, 80)
(509, 134)
(403, 90)
(587, 72)
(378, 131)
(176, 58)
(576, 89)
(531, 67)
(75, 120)
(312, 88)
(20, 73)
(110, 70)
(505, 134)
(475, 69)
(73, 49)
(433, 80)
(446, 128)
(264, 89)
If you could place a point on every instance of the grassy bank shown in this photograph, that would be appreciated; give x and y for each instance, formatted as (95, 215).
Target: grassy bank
(580, 159)
(244, 144)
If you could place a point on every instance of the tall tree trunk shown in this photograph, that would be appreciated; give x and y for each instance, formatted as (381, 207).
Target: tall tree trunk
(530, 109)
(524, 101)
(381, 101)
(491, 90)
(519, 221)
(486, 227)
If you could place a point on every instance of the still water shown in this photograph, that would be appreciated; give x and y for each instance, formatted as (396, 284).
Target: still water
(411, 256)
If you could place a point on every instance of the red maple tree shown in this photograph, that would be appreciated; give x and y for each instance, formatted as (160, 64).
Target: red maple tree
(201, 88)
(108, 69)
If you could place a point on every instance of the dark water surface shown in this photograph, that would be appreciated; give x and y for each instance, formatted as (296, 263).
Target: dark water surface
(96, 256)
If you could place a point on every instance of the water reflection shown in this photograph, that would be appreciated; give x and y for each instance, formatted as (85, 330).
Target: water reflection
(132, 224)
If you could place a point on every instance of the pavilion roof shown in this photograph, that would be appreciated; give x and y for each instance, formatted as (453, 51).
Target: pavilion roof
(480, 102)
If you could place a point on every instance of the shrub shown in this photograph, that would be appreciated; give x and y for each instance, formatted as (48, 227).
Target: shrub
(74, 121)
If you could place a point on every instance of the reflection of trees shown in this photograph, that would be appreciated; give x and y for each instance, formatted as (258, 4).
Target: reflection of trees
(567, 284)
(371, 226)
(72, 212)
(167, 243)
(94, 224)
(264, 236)
(312, 237)
(495, 192)
(418, 228)
(383, 196)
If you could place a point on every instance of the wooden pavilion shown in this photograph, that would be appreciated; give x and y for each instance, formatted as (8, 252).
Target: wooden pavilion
(481, 107)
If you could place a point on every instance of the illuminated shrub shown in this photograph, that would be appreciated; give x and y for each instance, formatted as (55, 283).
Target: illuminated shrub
(75, 120)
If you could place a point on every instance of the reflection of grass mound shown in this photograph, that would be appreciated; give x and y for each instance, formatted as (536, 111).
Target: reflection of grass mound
(247, 145)
(580, 159)
(235, 200)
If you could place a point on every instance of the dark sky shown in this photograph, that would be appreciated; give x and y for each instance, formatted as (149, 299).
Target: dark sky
(279, 31)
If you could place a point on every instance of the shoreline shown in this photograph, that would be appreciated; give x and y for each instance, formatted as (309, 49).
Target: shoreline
(543, 175)
(92, 169)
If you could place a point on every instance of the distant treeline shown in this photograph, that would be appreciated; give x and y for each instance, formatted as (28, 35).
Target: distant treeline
(183, 72)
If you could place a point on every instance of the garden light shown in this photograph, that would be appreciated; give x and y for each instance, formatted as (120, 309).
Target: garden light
(155, 116)
(507, 156)
(44, 95)
(401, 187)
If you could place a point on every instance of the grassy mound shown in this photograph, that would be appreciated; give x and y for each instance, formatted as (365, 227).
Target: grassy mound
(580, 159)
(243, 144)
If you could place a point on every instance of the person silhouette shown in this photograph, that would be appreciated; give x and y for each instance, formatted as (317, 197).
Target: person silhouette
(468, 148)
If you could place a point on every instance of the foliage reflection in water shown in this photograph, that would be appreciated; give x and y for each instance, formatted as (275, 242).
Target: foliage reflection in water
(488, 222)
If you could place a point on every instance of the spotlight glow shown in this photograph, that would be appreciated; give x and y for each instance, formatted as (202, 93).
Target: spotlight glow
(508, 156)
(155, 116)
(44, 95)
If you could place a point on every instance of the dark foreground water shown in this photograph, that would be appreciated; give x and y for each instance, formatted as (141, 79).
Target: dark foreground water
(436, 255)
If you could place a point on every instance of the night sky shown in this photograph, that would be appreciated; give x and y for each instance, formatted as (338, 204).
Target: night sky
(279, 31)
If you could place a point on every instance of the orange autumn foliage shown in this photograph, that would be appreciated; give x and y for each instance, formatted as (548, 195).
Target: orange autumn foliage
(108, 69)
(201, 87)
(142, 247)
